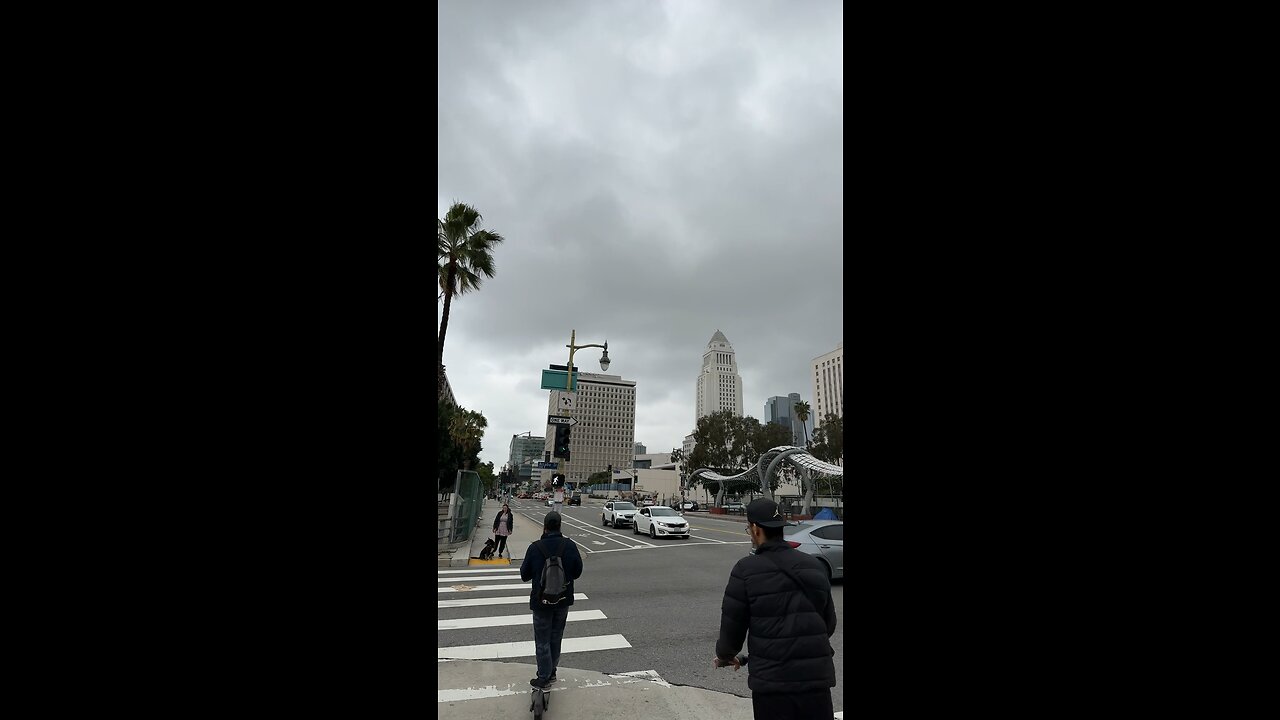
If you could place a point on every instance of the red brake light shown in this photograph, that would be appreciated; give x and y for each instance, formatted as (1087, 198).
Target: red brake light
(793, 544)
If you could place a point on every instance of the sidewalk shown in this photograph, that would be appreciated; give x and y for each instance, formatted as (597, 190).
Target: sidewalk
(488, 690)
(526, 528)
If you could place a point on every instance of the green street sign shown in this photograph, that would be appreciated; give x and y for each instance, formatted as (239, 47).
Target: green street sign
(554, 380)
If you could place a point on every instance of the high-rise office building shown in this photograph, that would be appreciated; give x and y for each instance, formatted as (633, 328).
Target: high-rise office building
(828, 385)
(605, 408)
(525, 451)
(641, 449)
(719, 384)
(780, 410)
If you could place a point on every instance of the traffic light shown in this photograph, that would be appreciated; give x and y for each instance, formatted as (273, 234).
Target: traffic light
(557, 480)
(562, 442)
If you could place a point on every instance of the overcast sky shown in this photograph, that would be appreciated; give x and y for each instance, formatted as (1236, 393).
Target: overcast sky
(660, 170)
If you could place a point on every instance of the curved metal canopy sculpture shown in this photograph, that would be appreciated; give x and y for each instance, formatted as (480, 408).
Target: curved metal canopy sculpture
(767, 464)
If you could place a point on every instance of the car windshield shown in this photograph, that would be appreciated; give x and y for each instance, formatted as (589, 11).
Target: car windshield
(663, 511)
(623, 506)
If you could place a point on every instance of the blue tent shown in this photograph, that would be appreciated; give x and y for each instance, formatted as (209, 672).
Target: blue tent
(825, 514)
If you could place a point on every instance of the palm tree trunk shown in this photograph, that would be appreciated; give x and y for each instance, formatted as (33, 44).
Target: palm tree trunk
(444, 326)
(448, 300)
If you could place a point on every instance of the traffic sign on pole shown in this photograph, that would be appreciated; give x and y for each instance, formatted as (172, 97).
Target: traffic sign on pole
(558, 420)
(555, 380)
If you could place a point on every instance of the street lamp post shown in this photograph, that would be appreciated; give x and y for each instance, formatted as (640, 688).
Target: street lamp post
(568, 382)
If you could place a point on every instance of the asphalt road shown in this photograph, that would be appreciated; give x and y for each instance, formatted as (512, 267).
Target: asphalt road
(663, 595)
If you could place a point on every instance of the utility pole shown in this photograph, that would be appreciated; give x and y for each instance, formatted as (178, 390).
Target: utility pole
(568, 387)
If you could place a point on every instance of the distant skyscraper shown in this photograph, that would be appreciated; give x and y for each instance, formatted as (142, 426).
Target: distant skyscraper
(828, 385)
(719, 384)
(641, 449)
(524, 452)
(781, 411)
(605, 408)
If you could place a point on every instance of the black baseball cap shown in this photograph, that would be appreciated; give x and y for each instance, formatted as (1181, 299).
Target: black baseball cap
(765, 513)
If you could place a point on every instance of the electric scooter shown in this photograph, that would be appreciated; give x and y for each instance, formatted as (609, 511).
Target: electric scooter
(539, 699)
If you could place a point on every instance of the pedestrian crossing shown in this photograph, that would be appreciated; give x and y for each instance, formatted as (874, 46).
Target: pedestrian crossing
(488, 611)
(488, 614)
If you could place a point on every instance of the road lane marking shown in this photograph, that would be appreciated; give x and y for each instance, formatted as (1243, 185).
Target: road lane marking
(524, 648)
(675, 545)
(504, 620)
(475, 570)
(639, 675)
(583, 525)
(486, 601)
(565, 682)
(473, 578)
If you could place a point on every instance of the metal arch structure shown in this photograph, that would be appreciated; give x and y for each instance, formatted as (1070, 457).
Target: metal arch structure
(797, 456)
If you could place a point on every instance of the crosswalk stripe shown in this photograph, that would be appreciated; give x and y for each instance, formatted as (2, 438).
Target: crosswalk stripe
(480, 588)
(523, 619)
(484, 601)
(524, 648)
(478, 570)
(471, 578)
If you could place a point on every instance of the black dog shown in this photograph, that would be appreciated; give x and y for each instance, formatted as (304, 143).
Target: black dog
(489, 547)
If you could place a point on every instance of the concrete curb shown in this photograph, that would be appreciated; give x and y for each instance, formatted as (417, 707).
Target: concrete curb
(490, 690)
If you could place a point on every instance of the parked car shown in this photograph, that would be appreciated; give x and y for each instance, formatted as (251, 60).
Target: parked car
(689, 505)
(523, 496)
(660, 521)
(823, 539)
(734, 506)
(618, 512)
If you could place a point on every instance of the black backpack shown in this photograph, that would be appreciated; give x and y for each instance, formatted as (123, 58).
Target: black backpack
(554, 579)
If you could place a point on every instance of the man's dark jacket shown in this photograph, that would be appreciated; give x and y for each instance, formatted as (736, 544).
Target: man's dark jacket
(789, 647)
(531, 568)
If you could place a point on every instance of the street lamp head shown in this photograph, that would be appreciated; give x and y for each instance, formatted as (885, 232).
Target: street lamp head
(604, 359)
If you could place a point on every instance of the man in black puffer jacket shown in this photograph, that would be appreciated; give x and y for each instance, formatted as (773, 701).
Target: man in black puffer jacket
(789, 648)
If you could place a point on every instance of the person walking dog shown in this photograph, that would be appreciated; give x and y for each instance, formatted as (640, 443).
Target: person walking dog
(502, 529)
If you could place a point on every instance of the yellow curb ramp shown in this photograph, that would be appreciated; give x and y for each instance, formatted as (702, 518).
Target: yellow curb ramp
(478, 561)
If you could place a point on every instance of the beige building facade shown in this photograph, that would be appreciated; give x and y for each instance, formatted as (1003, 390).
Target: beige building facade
(605, 408)
(828, 385)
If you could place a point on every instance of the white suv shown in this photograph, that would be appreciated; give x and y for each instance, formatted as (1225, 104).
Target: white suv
(618, 513)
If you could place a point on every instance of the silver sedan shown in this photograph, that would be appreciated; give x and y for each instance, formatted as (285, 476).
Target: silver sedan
(823, 539)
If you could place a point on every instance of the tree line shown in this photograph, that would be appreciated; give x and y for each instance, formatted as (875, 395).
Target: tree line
(728, 444)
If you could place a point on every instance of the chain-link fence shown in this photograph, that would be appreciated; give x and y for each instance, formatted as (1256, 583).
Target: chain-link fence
(470, 497)
(460, 501)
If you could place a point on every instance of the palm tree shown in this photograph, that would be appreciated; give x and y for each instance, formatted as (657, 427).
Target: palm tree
(466, 429)
(464, 254)
(802, 414)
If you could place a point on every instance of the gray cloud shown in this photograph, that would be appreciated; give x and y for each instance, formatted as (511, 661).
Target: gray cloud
(660, 171)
